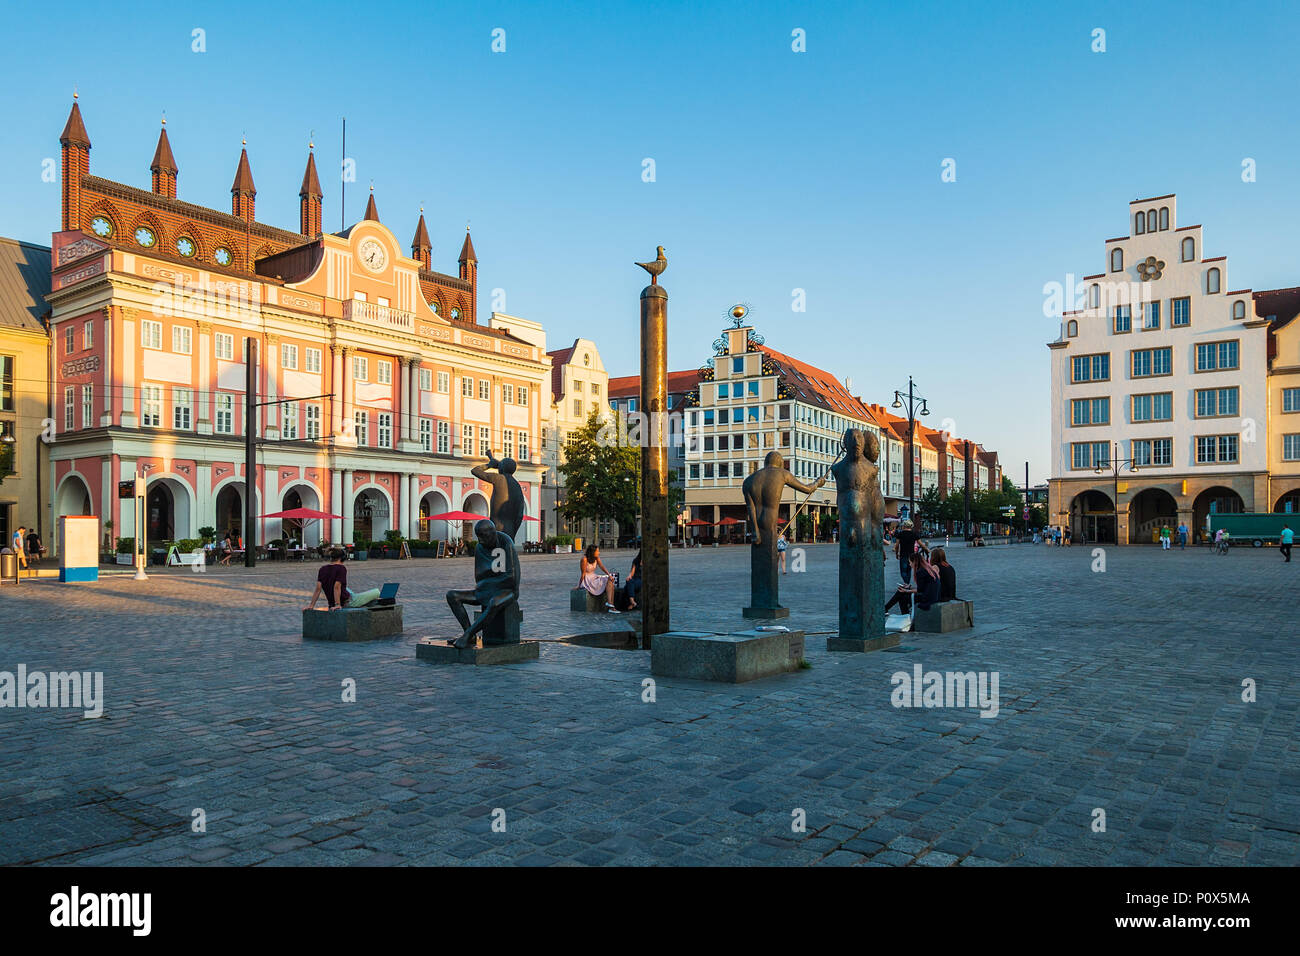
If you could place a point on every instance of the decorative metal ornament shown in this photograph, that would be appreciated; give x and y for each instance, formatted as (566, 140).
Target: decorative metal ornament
(738, 313)
(1150, 268)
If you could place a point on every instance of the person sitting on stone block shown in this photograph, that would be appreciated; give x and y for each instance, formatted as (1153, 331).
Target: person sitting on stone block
(332, 581)
(947, 575)
(593, 581)
(496, 582)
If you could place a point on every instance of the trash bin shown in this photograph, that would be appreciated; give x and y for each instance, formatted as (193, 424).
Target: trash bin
(8, 567)
(577, 545)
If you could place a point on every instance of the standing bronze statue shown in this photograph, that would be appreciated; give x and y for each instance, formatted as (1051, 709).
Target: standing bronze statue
(862, 514)
(496, 590)
(763, 490)
(508, 505)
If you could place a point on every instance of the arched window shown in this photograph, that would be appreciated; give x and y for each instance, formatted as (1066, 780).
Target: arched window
(1189, 249)
(1151, 220)
(1117, 260)
(1212, 281)
(1164, 218)
(1239, 309)
(1071, 329)
(1094, 296)
(1139, 223)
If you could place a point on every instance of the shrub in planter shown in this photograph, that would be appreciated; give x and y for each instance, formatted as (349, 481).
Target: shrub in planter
(207, 533)
(126, 545)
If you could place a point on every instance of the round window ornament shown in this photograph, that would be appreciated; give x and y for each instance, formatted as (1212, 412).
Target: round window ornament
(102, 226)
(144, 236)
(1150, 268)
(221, 256)
(186, 247)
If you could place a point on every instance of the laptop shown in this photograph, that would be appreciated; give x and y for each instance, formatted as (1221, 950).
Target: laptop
(387, 595)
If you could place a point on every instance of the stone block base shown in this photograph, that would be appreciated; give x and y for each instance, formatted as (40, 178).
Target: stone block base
(854, 644)
(580, 599)
(765, 613)
(437, 651)
(352, 624)
(945, 617)
(729, 658)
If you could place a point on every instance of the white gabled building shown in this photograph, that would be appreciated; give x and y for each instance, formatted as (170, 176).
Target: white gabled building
(1163, 373)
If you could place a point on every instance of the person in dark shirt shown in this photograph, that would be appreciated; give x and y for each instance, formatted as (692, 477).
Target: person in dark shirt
(921, 586)
(633, 586)
(947, 575)
(332, 581)
(906, 543)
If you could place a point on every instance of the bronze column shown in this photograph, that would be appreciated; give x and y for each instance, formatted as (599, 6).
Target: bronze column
(654, 461)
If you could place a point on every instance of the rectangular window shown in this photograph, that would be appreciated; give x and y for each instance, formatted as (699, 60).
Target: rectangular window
(1216, 356)
(313, 422)
(313, 360)
(289, 356)
(1291, 399)
(1091, 368)
(1291, 447)
(1216, 402)
(484, 389)
(426, 380)
(88, 335)
(150, 334)
(444, 382)
(751, 439)
(1157, 407)
(467, 440)
(1153, 451)
(360, 368)
(1181, 311)
(466, 387)
(225, 424)
(577, 386)
(182, 409)
(289, 421)
(69, 406)
(708, 443)
(523, 446)
(738, 365)
(695, 471)
(484, 442)
(87, 406)
(225, 346)
(1148, 362)
(426, 435)
(708, 469)
(1123, 318)
(152, 415)
(507, 444)
(182, 340)
(1089, 454)
(385, 370)
(1090, 411)
(6, 383)
(521, 395)
(385, 430)
(1211, 449)
(360, 425)
(507, 394)
(444, 438)
(69, 340)
(753, 389)
(753, 413)
(595, 389)
(708, 416)
(577, 408)
(1151, 315)
(724, 391)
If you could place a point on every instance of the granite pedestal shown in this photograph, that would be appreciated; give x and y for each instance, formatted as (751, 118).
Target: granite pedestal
(438, 651)
(945, 617)
(729, 658)
(765, 613)
(352, 624)
(862, 645)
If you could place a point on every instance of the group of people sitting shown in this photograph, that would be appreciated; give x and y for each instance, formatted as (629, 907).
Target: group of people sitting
(927, 577)
(595, 578)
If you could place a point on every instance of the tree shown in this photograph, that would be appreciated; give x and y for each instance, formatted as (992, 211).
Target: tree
(601, 473)
(930, 506)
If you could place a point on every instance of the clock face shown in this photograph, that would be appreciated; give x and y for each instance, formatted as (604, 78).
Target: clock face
(372, 255)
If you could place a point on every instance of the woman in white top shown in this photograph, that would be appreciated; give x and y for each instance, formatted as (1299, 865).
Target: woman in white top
(595, 581)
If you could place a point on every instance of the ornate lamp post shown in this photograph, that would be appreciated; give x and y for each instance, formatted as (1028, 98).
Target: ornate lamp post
(915, 402)
(1116, 465)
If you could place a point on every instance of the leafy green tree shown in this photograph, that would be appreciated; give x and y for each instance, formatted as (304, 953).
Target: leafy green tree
(930, 505)
(601, 473)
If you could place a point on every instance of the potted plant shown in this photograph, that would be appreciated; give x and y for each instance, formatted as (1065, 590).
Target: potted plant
(393, 544)
(361, 547)
(125, 550)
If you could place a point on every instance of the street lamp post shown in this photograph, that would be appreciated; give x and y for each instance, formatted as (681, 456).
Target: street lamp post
(912, 405)
(1117, 465)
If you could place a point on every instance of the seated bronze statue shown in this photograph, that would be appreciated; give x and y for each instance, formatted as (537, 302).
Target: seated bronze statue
(496, 589)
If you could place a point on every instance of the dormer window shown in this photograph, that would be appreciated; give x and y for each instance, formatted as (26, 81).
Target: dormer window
(1117, 260)
(1094, 296)
(1140, 224)
(1164, 218)
(1151, 220)
(1189, 249)
(1071, 329)
(1239, 309)
(1212, 281)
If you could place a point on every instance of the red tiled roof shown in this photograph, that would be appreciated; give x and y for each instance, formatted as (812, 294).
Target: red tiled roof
(559, 358)
(629, 386)
(816, 386)
(1283, 303)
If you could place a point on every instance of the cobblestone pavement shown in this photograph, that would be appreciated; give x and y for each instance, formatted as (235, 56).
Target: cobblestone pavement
(1119, 691)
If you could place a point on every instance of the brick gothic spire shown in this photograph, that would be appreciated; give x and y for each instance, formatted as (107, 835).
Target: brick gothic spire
(164, 167)
(243, 192)
(469, 272)
(372, 213)
(309, 197)
(421, 247)
(76, 164)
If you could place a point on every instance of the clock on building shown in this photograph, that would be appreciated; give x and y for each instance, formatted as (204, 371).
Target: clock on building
(372, 254)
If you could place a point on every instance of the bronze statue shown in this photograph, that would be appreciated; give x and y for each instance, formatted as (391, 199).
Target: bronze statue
(508, 505)
(762, 491)
(656, 267)
(862, 513)
(496, 590)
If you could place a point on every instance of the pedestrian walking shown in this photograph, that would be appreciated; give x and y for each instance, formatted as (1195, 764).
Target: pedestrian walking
(1164, 537)
(17, 544)
(780, 551)
(1182, 536)
(1285, 546)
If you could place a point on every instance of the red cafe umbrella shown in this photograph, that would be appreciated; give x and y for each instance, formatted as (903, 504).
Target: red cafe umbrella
(454, 516)
(699, 523)
(301, 514)
(531, 518)
(731, 521)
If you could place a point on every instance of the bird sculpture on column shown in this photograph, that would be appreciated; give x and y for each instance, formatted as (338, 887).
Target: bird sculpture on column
(656, 267)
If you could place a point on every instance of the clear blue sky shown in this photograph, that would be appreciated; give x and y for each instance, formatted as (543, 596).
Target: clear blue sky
(775, 170)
